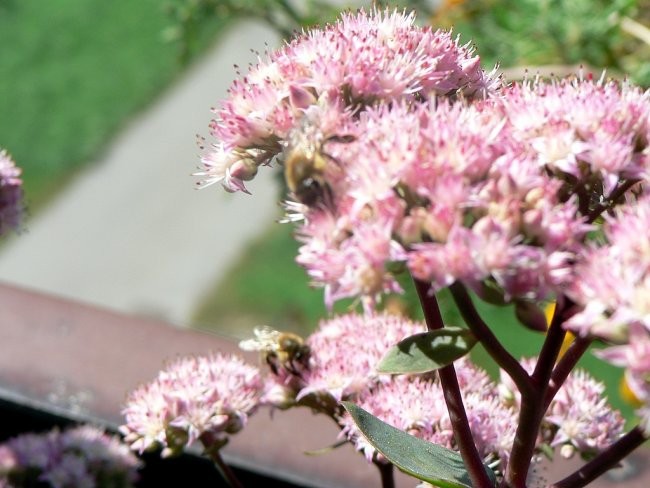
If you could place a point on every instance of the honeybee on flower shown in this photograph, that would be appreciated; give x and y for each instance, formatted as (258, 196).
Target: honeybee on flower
(280, 350)
(306, 160)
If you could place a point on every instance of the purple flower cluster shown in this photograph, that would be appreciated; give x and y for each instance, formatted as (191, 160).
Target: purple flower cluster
(81, 457)
(11, 194)
(194, 398)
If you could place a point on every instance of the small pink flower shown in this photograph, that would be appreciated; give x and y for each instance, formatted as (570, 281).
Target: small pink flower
(579, 419)
(193, 396)
(612, 281)
(584, 421)
(346, 349)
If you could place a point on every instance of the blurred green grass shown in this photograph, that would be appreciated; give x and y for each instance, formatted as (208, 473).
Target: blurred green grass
(71, 73)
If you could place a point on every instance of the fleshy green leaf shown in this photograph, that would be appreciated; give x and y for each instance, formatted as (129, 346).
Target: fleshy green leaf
(427, 351)
(416, 457)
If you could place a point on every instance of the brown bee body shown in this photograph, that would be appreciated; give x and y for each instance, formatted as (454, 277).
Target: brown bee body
(280, 350)
(305, 163)
(304, 174)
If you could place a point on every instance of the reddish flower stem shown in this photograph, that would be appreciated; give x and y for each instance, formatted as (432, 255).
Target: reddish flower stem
(564, 367)
(489, 341)
(453, 398)
(604, 461)
(386, 472)
(611, 200)
(533, 404)
(225, 470)
(212, 448)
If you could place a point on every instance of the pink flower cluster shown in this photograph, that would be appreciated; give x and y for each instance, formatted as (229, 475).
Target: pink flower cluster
(345, 350)
(194, 398)
(360, 60)
(11, 194)
(613, 287)
(413, 154)
(416, 405)
(81, 457)
(578, 419)
(498, 192)
(400, 152)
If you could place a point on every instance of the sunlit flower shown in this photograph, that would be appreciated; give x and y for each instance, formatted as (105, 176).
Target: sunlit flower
(584, 420)
(209, 396)
(417, 406)
(363, 59)
(345, 351)
(584, 128)
(613, 277)
(579, 418)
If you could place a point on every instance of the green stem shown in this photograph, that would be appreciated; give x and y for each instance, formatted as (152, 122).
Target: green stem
(291, 12)
(487, 339)
(604, 461)
(453, 398)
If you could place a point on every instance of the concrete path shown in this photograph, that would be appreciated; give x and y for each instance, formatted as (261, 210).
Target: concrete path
(132, 233)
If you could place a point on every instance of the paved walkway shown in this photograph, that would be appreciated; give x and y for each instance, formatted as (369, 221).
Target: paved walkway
(131, 233)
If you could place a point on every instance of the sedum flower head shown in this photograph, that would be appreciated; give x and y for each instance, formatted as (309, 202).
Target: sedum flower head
(416, 405)
(362, 59)
(399, 148)
(345, 351)
(206, 397)
(613, 276)
(83, 457)
(583, 420)
(613, 288)
(578, 419)
(11, 194)
(499, 191)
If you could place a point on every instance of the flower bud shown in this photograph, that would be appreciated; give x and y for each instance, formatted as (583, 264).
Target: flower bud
(530, 315)
(301, 98)
(244, 169)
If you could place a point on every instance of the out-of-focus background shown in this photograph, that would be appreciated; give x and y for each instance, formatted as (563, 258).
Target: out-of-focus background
(101, 103)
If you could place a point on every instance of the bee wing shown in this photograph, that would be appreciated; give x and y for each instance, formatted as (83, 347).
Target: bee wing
(266, 339)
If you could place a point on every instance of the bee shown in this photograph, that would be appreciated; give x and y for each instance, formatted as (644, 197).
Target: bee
(305, 162)
(279, 349)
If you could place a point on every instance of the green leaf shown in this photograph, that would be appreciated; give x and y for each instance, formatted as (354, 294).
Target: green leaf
(325, 450)
(427, 351)
(416, 457)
